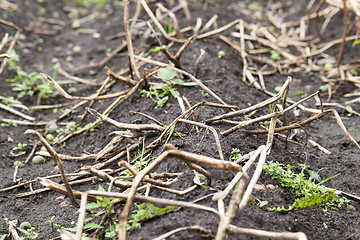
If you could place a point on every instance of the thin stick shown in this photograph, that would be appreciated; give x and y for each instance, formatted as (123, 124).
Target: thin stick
(129, 41)
(125, 125)
(346, 23)
(56, 158)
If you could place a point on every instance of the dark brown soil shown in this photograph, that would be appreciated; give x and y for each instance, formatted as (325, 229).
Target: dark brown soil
(224, 77)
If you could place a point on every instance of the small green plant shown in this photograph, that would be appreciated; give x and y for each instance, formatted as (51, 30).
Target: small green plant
(8, 124)
(275, 55)
(235, 154)
(20, 147)
(30, 233)
(349, 110)
(203, 93)
(175, 133)
(301, 94)
(158, 48)
(53, 224)
(10, 101)
(27, 83)
(307, 193)
(89, 3)
(221, 54)
(168, 88)
(145, 212)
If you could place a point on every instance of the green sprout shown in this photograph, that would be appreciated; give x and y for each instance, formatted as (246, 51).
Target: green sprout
(221, 54)
(275, 55)
(349, 110)
(162, 91)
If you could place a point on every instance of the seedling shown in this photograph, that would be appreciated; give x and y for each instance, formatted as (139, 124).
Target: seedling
(158, 48)
(308, 194)
(302, 94)
(275, 55)
(349, 110)
(30, 233)
(168, 88)
(235, 154)
(27, 83)
(20, 147)
(205, 94)
(221, 54)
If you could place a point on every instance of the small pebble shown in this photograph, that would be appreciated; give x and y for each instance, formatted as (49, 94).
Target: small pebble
(96, 150)
(96, 35)
(315, 175)
(272, 187)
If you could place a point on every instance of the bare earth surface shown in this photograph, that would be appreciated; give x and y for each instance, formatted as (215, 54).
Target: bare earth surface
(224, 77)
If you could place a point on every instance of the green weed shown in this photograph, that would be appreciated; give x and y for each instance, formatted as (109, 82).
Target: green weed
(307, 193)
(162, 91)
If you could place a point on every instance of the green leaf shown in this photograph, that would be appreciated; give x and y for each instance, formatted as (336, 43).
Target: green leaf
(174, 92)
(188, 84)
(158, 86)
(221, 54)
(92, 225)
(166, 73)
(92, 205)
(356, 42)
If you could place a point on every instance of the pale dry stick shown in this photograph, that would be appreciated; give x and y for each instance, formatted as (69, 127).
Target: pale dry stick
(185, 7)
(15, 112)
(25, 123)
(173, 152)
(11, 47)
(216, 136)
(10, 24)
(270, 115)
(253, 181)
(148, 117)
(109, 147)
(219, 30)
(134, 19)
(125, 125)
(61, 189)
(232, 208)
(345, 32)
(158, 25)
(77, 79)
(209, 23)
(146, 179)
(321, 148)
(66, 235)
(40, 107)
(162, 201)
(327, 45)
(172, 16)
(35, 143)
(172, 232)
(328, 19)
(129, 41)
(198, 61)
(129, 93)
(4, 41)
(197, 26)
(31, 181)
(317, 116)
(256, 106)
(119, 78)
(341, 106)
(68, 158)
(33, 192)
(62, 91)
(268, 43)
(175, 191)
(223, 194)
(119, 155)
(278, 108)
(82, 215)
(15, 173)
(183, 73)
(242, 43)
(98, 64)
(106, 177)
(12, 230)
(58, 162)
(267, 234)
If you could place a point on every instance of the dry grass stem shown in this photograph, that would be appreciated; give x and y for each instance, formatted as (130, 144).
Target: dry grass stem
(58, 162)
(172, 232)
